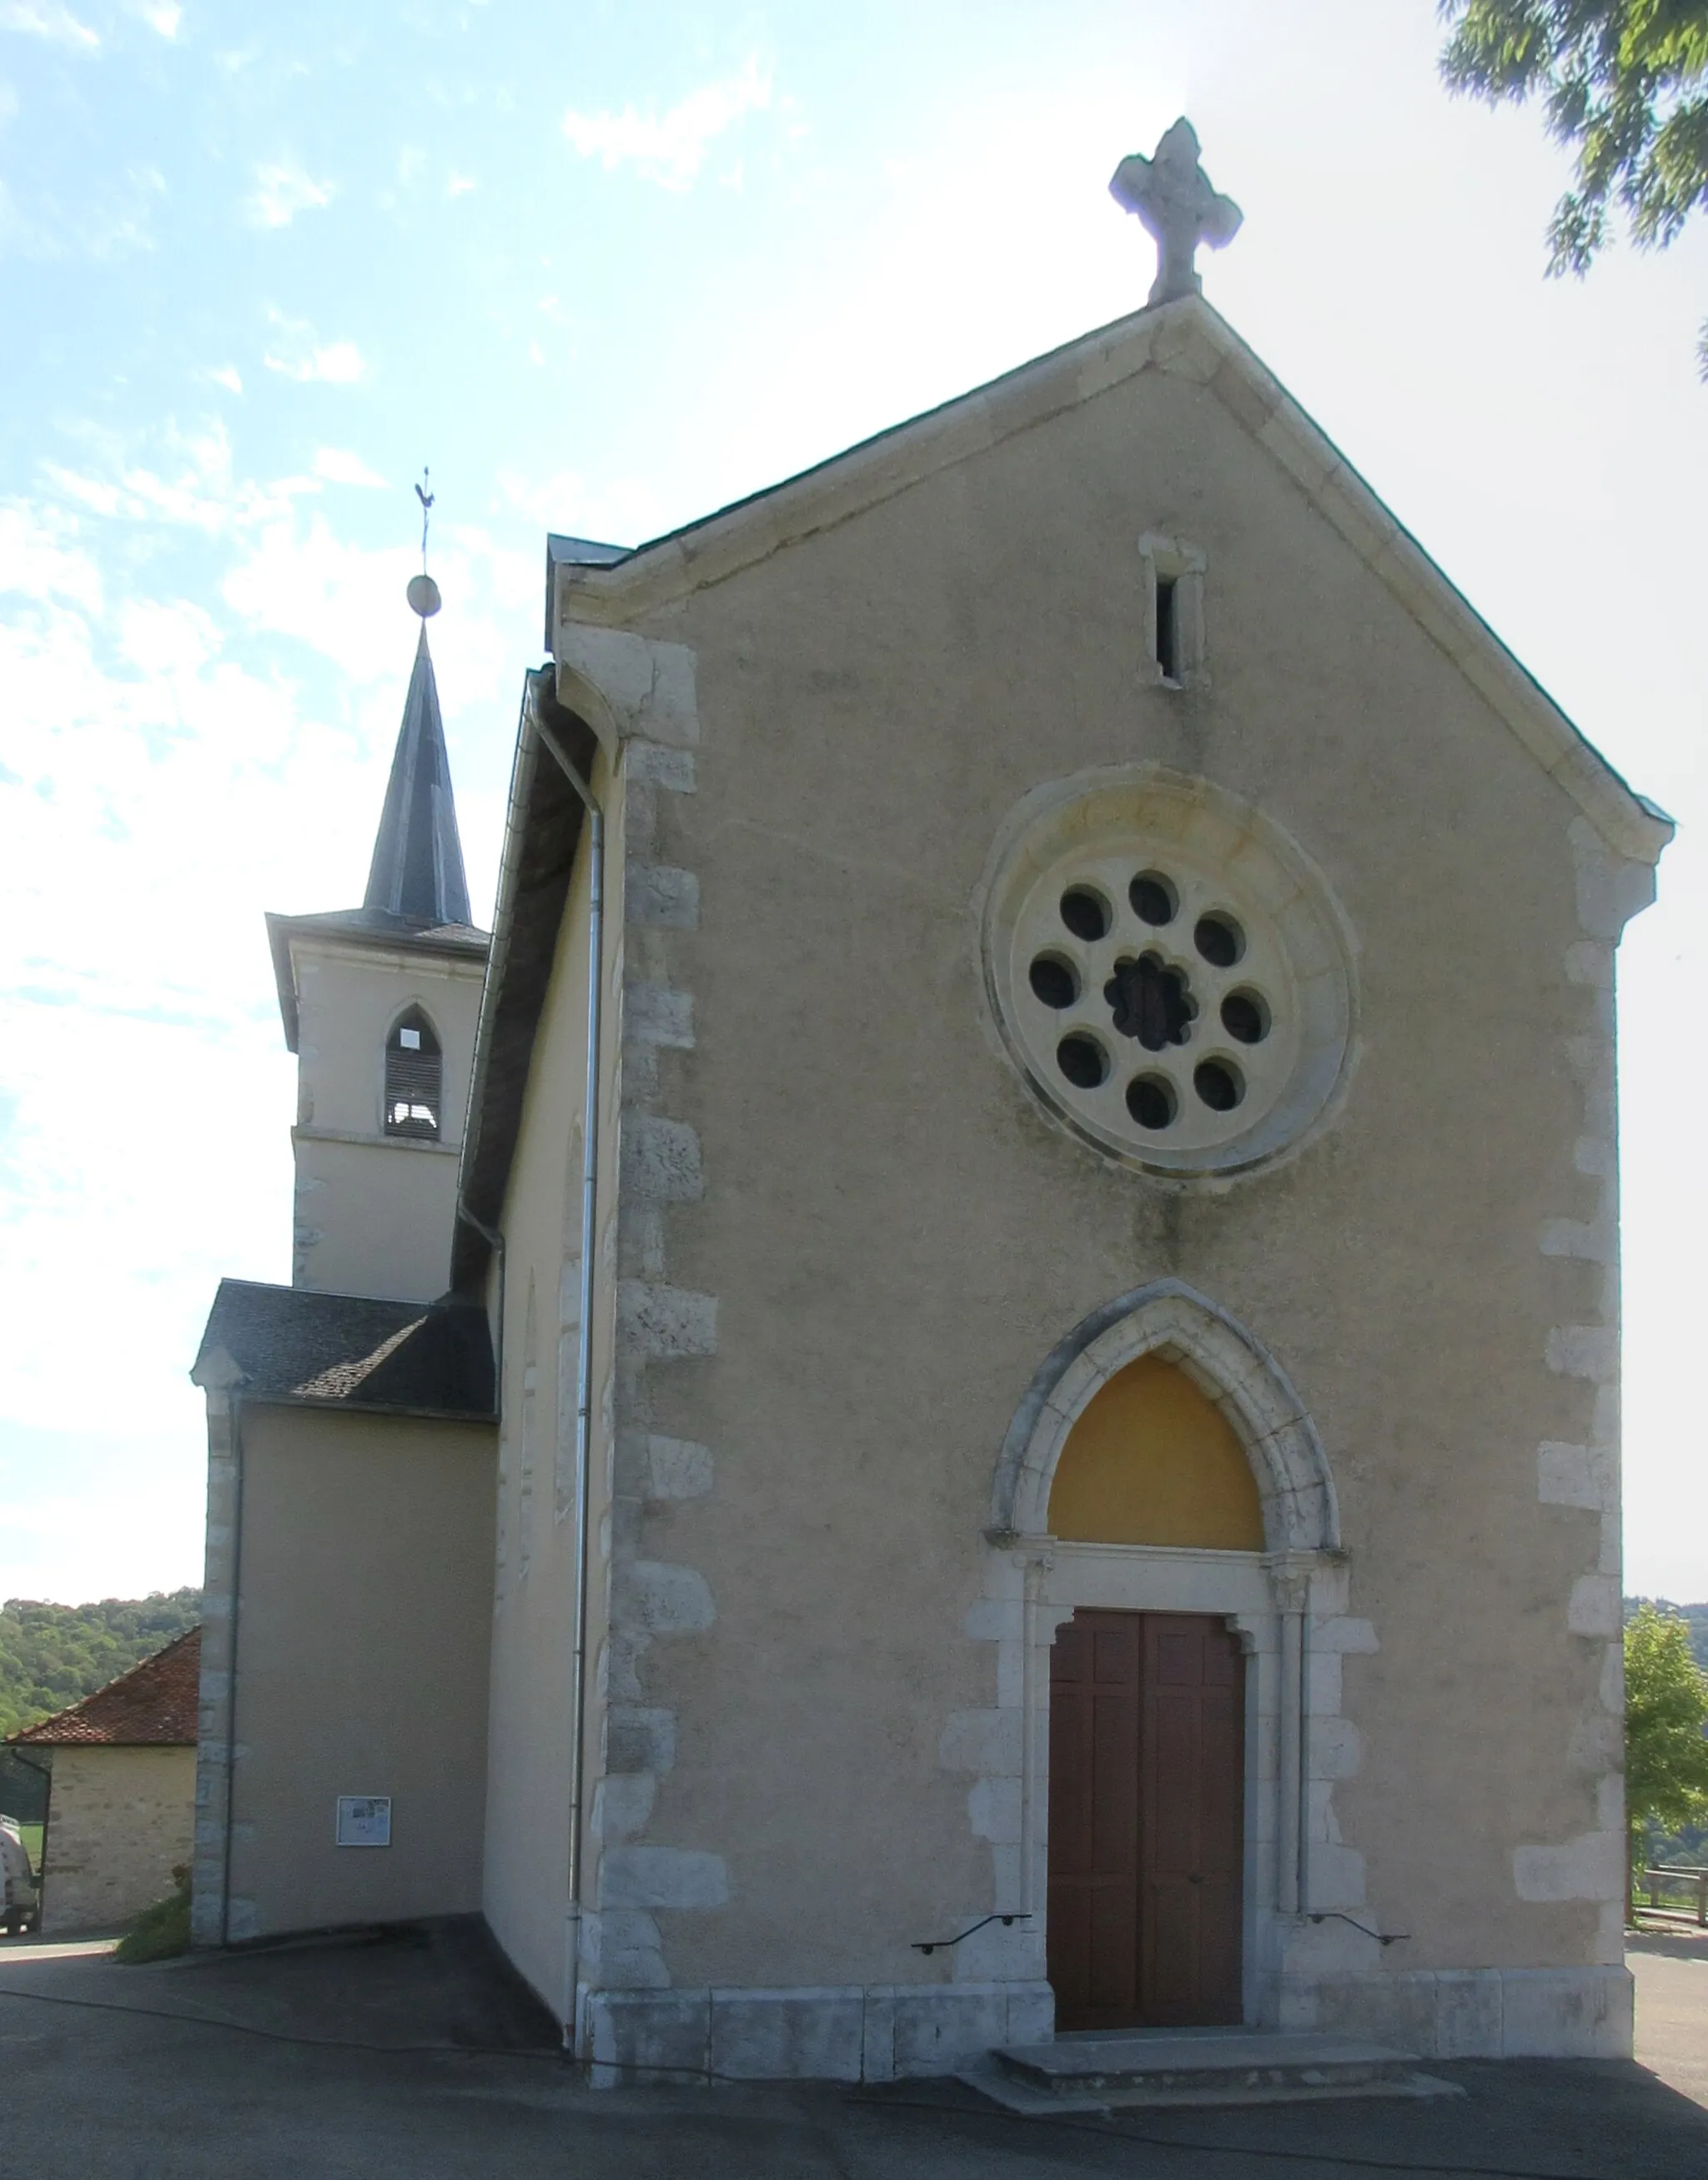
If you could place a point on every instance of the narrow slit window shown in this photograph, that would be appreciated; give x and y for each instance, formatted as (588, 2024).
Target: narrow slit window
(414, 1073)
(1168, 627)
(1172, 606)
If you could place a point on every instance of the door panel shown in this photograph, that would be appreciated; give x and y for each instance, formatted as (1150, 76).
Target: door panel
(1147, 1820)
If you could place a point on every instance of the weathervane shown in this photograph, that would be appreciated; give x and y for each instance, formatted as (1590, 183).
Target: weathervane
(1174, 200)
(423, 591)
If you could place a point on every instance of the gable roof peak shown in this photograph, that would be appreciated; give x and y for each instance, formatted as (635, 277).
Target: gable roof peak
(1186, 339)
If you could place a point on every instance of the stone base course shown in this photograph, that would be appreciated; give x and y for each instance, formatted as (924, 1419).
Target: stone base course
(837, 2033)
(1474, 2013)
(893, 2032)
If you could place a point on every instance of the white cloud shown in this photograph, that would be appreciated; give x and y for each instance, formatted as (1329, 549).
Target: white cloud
(48, 19)
(122, 1526)
(162, 15)
(106, 218)
(166, 638)
(189, 741)
(459, 185)
(41, 560)
(337, 465)
(623, 510)
(338, 364)
(228, 376)
(283, 190)
(670, 148)
(300, 355)
(194, 489)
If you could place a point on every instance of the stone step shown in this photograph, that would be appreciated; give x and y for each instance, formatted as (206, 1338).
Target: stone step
(1197, 2067)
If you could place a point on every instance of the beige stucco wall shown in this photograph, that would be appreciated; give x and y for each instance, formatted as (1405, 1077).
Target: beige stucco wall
(120, 1820)
(891, 1236)
(362, 1627)
(373, 1213)
(375, 1218)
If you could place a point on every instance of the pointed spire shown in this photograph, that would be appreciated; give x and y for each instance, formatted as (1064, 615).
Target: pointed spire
(417, 871)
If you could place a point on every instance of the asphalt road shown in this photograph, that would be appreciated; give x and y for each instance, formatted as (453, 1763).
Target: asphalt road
(286, 2066)
(1672, 2010)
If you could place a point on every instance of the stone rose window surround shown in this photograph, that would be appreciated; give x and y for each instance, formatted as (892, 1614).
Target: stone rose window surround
(1170, 971)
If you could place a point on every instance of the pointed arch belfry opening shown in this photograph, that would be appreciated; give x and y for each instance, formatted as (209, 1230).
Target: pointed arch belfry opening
(414, 1077)
(1229, 1365)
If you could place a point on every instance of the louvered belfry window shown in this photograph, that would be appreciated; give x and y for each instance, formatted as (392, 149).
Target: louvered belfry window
(414, 1069)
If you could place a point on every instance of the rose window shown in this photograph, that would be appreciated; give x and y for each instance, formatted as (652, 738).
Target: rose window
(1171, 974)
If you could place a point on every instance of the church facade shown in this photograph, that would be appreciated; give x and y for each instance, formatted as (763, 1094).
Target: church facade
(967, 1381)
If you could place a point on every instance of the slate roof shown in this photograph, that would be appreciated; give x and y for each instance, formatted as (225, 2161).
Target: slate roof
(290, 1344)
(417, 898)
(153, 1705)
(417, 868)
(375, 926)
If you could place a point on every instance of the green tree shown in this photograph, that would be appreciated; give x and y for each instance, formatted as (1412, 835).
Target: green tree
(1624, 84)
(55, 1654)
(1666, 1712)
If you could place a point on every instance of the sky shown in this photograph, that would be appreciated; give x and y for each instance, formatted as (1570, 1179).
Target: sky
(605, 268)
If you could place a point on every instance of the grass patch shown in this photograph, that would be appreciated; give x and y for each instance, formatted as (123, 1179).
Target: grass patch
(160, 1931)
(32, 1837)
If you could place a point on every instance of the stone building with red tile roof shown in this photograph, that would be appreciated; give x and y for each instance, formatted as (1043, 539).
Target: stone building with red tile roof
(122, 1811)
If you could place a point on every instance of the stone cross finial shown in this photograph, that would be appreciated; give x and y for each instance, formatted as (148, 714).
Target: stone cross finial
(1172, 194)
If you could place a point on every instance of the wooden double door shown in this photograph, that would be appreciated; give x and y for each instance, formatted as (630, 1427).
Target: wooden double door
(1147, 1820)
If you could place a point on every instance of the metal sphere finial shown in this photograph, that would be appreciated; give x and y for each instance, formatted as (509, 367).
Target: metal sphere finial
(423, 591)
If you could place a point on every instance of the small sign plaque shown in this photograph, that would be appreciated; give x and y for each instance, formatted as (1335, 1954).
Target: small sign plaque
(363, 1821)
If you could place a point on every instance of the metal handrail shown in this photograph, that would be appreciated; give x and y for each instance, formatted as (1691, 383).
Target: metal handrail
(938, 1944)
(1697, 1879)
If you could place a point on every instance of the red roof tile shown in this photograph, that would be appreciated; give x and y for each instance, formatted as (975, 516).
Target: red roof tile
(155, 1703)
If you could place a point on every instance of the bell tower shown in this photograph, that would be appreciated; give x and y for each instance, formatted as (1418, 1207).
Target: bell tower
(380, 1004)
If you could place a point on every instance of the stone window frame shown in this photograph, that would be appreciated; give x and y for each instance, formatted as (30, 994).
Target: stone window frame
(1175, 560)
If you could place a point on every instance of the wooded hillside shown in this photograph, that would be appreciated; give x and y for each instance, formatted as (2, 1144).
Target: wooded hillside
(55, 1654)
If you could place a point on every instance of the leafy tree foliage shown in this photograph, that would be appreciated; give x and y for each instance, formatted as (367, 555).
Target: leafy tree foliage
(1624, 84)
(55, 1654)
(1694, 1616)
(1665, 1712)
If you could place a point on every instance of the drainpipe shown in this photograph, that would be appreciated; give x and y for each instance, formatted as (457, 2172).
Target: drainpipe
(584, 1360)
(236, 1429)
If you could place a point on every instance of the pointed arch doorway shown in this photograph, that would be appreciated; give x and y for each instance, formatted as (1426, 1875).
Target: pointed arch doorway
(1168, 1500)
(1147, 1721)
